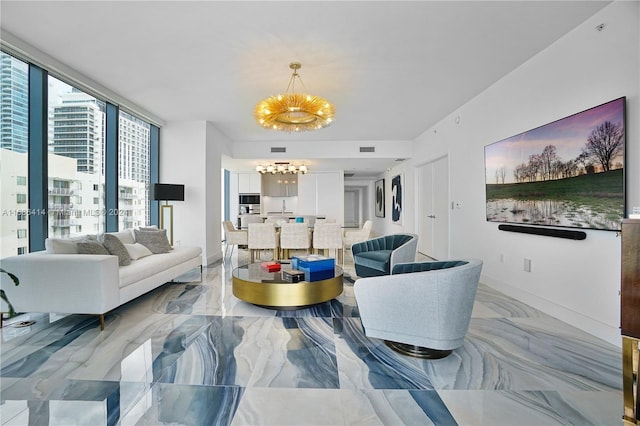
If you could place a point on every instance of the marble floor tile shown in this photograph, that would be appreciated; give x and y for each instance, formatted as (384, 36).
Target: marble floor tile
(190, 353)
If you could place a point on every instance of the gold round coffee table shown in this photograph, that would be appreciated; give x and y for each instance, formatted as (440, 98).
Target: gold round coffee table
(253, 284)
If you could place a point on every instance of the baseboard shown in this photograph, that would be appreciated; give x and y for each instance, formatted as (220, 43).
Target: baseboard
(214, 258)
(585, 323)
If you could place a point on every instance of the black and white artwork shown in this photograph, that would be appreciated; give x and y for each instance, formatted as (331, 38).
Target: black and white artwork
(380, 198)
(396, 199)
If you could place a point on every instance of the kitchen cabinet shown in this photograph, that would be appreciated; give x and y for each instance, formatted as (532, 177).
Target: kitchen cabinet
(322, 194)
(280, 185)
(249, 183)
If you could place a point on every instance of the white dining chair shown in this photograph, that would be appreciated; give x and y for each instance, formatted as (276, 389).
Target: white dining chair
(262, 236)
(233, 237)
(247, 219)
(328, 236)
(352, 237)
(294, 236)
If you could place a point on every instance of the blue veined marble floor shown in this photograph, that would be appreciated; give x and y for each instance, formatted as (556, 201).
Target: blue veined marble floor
(190, 353)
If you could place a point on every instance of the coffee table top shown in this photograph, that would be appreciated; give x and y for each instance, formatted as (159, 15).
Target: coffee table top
(255, 273)
(253, 284)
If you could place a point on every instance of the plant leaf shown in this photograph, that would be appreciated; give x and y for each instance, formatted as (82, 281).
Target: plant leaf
(14, 278)
(3, 296)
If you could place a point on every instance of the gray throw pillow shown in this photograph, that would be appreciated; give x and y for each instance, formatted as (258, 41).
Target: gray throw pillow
(91, 247)
(115, 247)
(156, 240)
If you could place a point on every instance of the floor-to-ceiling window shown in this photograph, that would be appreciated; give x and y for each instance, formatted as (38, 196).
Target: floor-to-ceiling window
(83, 162)
(134, 138)
(14, 151)
(76, 137)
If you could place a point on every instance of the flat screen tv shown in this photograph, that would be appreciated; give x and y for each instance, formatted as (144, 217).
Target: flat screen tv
(568, 173)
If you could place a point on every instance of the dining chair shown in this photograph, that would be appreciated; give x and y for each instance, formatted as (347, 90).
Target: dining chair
(328, 236)
(246, 220)
(352, 237)
(294, 236)
(233, 237)
(262, 236)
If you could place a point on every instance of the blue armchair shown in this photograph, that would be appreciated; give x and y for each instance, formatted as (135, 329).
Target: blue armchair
(423, 309)
(377, 256)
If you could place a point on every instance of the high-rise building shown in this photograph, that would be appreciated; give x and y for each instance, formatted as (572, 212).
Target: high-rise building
(14, 110)
(78, 130)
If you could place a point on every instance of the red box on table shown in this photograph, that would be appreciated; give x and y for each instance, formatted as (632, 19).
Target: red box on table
(270, 266)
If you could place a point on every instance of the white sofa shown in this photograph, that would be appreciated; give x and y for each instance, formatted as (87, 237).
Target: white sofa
(57, 280)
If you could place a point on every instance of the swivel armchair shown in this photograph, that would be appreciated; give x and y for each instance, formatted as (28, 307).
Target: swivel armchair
(379, 255)
(423, 309)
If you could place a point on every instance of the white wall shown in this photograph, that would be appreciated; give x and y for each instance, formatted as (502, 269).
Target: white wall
(191, 154)
(576, 281)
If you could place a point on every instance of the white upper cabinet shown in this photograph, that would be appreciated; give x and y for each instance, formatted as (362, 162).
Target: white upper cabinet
(322, 194)
(249, 183)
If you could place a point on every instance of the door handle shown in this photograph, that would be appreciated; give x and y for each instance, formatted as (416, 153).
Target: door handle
(431, 216)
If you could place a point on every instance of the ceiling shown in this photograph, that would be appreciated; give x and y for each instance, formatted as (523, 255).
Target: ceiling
(393, 69)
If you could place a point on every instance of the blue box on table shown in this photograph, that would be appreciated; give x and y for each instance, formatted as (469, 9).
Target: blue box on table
(315, 267)
(318, 275)
(313, 263)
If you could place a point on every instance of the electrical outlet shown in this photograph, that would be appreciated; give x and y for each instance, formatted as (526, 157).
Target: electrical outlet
(527, 265)
(178, 243)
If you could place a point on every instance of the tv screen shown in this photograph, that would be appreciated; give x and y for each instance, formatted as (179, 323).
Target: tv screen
(568, 173)
(168, 192)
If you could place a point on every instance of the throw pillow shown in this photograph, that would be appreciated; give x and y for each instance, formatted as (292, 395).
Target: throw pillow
(149, 228)
(156, 241)
(126, 236)
(137, 251)
(66, 245)
(91, 247)
(115, 247)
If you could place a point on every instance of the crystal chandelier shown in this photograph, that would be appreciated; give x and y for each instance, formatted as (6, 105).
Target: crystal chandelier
(294, 112)
(282, 168)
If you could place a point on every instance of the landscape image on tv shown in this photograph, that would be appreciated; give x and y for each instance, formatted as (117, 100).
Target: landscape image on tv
(569, 173)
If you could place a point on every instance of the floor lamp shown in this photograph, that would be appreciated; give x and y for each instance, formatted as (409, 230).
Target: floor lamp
(167, 192)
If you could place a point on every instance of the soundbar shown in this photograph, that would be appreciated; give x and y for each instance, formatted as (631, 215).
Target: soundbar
(547, 232)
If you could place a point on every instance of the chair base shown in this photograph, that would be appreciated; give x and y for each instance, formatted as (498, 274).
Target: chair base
(417, 351)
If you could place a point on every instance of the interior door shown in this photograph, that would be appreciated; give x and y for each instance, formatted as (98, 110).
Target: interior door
(433, 224)
(351, 207)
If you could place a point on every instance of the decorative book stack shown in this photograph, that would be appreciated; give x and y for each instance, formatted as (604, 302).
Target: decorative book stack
(315, 267)
(292, 275)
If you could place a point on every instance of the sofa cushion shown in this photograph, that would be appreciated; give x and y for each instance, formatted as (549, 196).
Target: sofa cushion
(377, 259)
(115, 247)
(91, 247)
(137, 251)
(126, 236)
(155, 240)
(147, 266)
(66, 245)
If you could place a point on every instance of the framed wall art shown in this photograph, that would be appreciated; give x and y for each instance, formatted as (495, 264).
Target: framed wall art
(380, 198)
(396, 199)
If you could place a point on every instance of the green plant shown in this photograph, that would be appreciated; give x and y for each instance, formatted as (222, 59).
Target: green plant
(3, 295)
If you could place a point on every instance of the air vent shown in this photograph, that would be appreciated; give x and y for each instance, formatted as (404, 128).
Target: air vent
(400, 159)
(278, 149)
(349, 174)
(367, 149)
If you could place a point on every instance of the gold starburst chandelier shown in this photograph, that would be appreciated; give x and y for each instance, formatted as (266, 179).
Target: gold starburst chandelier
(294, 112)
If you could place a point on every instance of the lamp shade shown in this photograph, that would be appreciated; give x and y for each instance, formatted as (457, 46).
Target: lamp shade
(168, 192)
